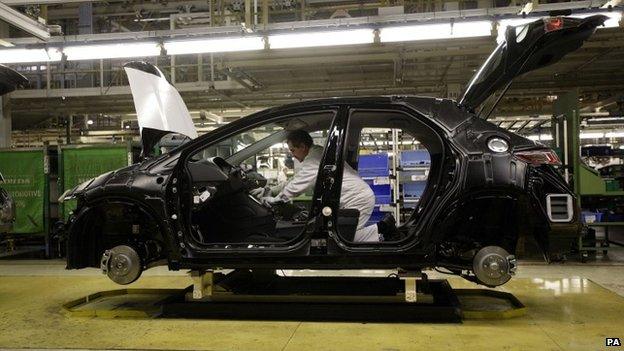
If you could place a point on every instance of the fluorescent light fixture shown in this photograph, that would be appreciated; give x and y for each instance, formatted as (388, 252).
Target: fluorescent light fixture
(111, 51)
(541, 137)
(279, 146)
(326, 38)
(605, 119)
(591, 135)
(614, 135)
(436, 31)
(29, 55)
(181, 47)
(612, 22)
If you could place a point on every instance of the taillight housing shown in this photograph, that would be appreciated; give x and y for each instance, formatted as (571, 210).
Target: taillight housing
(539, 157)
(553, 24)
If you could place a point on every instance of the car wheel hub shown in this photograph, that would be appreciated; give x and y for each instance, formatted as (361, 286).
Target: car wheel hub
(493, 266)
(121, 264)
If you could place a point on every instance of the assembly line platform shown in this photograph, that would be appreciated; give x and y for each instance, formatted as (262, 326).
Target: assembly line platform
(568, 307)
(241, 295)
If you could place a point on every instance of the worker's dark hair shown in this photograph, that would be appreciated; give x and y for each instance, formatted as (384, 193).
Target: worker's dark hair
(299, 137)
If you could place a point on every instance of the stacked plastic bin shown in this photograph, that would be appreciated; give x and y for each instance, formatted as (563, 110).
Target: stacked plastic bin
(375, 171)
(414, 167)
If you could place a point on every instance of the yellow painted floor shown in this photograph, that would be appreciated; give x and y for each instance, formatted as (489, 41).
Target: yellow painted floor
(563, 314)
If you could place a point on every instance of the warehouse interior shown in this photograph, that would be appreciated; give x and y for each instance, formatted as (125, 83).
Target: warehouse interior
(76, 116)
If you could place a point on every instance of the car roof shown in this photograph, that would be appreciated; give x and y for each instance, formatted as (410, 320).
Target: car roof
(360, 100)
(444, 111)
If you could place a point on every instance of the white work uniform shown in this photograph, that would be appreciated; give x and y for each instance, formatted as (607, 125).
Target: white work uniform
(355, 193)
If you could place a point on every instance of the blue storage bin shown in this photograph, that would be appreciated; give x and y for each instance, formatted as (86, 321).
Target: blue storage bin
(615, 217)
(373, 165)
(414, 189)
(414, 158)
(383, 192)
(591, 217)
(375, 217)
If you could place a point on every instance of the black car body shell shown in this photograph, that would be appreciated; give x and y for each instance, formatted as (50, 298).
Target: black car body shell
(474, 170)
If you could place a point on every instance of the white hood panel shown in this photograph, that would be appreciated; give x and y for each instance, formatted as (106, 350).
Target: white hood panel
(158, 104)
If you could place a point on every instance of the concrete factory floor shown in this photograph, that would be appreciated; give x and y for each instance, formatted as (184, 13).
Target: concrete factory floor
(569, 307)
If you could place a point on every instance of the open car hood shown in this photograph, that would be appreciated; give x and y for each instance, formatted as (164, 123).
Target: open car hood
(160, 108)
(526, 48)
(10, 80)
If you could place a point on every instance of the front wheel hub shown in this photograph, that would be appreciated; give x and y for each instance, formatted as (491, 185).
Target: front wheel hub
(493, 266)
(121, 264)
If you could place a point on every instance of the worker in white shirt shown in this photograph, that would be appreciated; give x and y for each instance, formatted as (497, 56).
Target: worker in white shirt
(355, 193)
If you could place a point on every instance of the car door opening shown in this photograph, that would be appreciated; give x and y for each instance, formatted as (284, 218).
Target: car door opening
(400, 159)
(231, 180)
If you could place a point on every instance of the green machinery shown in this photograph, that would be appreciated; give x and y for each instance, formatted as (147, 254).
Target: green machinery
(587, 183)
(31, 179)
(566, 134)
(27, 174)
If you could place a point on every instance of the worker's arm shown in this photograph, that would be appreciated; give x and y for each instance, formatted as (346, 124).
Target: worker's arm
(303, 179)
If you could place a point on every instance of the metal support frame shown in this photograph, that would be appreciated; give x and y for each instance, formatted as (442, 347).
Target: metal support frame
(265, 13)
(203, 282)
(415, 18)
(217, 287)
(248, 13)
(397, 176)
(172, 77)
(47, 227)
(567, 128)
(24, 22)
(410, 278)
(5, 122)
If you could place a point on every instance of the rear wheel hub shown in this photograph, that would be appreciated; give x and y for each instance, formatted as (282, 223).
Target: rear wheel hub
(493, 266)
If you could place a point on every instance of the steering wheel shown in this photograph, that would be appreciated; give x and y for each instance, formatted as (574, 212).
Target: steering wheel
(249, 179)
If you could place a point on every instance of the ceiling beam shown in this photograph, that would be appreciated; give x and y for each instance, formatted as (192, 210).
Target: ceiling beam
(23, 22)
(44, 2)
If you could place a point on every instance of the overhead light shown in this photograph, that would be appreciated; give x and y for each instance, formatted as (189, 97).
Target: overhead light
(90, 122)
(436, 31)
(29, 55)
(181, 47)
(605, 119)
(540, 137)
(111, 51)
(591, 135)
(614, 135)
(326, 38)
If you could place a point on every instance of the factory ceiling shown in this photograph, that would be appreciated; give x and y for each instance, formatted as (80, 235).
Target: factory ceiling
(248, 81)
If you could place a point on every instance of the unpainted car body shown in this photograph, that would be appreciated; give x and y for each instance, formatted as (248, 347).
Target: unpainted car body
(486, 186)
